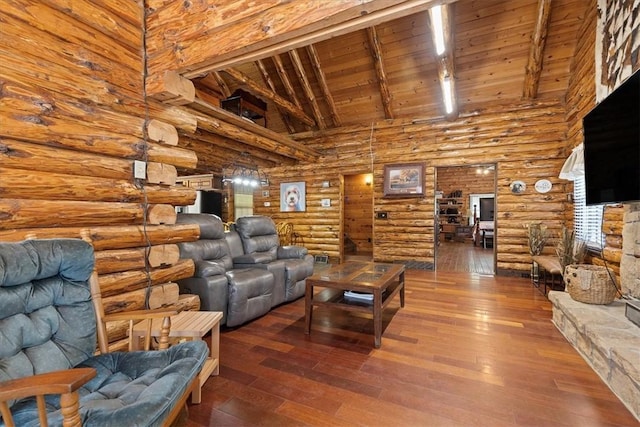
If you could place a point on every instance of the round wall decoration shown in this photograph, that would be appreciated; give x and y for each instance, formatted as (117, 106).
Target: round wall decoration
(543, 186)
(518, 187)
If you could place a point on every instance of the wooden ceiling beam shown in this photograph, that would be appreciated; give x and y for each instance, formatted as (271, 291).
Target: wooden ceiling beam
(538, 42)
(324, 86)
(286, 82)
(272, 96)
(223, 150)
(221, 122)
(306, 23)
(224, 87)
(306, 87)
(445, 61)
(269, 82)
(376, 50)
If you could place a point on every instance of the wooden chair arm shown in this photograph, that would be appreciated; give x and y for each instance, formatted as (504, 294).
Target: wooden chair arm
(157, 313)
(65, 383)
(137, 316)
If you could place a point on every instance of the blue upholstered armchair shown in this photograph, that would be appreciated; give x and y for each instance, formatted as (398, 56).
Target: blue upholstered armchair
(48, 327)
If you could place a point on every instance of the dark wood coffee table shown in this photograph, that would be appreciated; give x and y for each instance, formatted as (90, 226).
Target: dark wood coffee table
(381, 280)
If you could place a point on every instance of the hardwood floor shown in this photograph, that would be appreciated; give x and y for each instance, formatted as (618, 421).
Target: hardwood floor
(464, 257)
(466, 350)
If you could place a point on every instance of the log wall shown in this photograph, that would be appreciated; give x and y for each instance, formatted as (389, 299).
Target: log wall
(526, 141)
(581, 98)
(74, 120)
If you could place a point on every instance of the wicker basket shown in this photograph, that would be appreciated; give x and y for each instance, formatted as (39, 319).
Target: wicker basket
(590, 284)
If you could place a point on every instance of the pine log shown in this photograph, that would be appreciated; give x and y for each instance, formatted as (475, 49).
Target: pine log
(162, 295)
(306, 87)
(103, 238)
(261, 131)
(118, 260)
(613, 241)
(83, 72)
(613, 213)
(165, 295)
(161, 173)
(536, 49)
(171, 88)
(23, 213)
(269, 81)
(188, 302)
(162, 132)
(383, 84)
(322, 81)
(161, 214)
(612, 254)
(22, 155)
(117, 283)
(40, 185)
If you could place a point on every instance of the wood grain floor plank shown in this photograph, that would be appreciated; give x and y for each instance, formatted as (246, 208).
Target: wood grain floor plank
(466, 350)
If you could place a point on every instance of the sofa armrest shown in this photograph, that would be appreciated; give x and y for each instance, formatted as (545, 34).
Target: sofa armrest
(65, 383)
(289, 252)
(254, 258)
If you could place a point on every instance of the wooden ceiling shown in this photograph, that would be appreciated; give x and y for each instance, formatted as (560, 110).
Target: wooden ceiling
(500, 51)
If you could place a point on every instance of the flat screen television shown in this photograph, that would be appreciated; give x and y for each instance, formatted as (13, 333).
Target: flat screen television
(612, 146)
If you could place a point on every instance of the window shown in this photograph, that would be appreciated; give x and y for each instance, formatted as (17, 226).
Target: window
(242, 200)
(587, 219)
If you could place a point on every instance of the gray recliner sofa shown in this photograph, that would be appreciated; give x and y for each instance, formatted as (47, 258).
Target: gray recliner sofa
(243, 272)
(241, 294)
(291, 265)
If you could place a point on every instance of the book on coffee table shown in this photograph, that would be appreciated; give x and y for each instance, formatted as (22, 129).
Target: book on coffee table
(360, 296)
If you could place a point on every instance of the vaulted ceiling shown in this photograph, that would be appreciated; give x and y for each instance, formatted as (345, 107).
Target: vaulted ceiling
(500, 51)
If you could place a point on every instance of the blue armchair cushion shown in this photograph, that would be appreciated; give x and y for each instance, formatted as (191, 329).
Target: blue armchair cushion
(48, 323)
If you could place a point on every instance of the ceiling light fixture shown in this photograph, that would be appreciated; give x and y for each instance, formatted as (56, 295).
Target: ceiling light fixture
(438, 29)
(245, 175)
(448, 95)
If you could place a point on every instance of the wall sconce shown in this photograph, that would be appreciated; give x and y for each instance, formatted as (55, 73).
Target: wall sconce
(368, 179)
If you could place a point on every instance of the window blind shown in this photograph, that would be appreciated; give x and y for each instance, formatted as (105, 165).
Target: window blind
(587, 219)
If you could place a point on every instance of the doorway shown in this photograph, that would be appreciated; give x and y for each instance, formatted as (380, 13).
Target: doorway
(357, 241)
(463, 195)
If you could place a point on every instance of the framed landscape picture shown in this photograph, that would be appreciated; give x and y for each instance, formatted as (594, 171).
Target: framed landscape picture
(404, 180)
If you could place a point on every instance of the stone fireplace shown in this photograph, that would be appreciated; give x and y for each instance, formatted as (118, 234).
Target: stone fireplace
(602, 334)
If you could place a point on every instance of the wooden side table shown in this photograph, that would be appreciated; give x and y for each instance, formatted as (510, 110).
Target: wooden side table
(192, 325)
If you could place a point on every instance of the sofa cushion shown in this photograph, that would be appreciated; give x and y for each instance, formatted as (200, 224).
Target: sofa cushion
(250, 294)
(211, 226)
(258, 234)
(209, 268)
(209, 250)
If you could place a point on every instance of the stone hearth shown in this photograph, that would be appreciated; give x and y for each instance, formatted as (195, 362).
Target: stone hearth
(606, 339)
(602, 334)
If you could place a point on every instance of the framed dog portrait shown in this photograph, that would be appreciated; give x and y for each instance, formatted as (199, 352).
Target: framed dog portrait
(404, 180)
(292, 197)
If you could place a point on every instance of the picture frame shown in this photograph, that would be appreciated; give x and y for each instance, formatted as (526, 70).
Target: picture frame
(292, 197)
(404, 180)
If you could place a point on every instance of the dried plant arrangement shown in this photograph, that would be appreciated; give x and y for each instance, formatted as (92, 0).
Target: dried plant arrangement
(569, 249)
(537, 235)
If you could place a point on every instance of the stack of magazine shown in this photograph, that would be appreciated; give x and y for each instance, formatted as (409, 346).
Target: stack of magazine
(358, 296)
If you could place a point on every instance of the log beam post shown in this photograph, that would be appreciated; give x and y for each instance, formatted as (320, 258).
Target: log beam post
(538, 41)
(385, 93)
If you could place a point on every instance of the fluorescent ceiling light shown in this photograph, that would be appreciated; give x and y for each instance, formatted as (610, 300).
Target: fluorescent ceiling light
(438, 30)
(448, 96)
